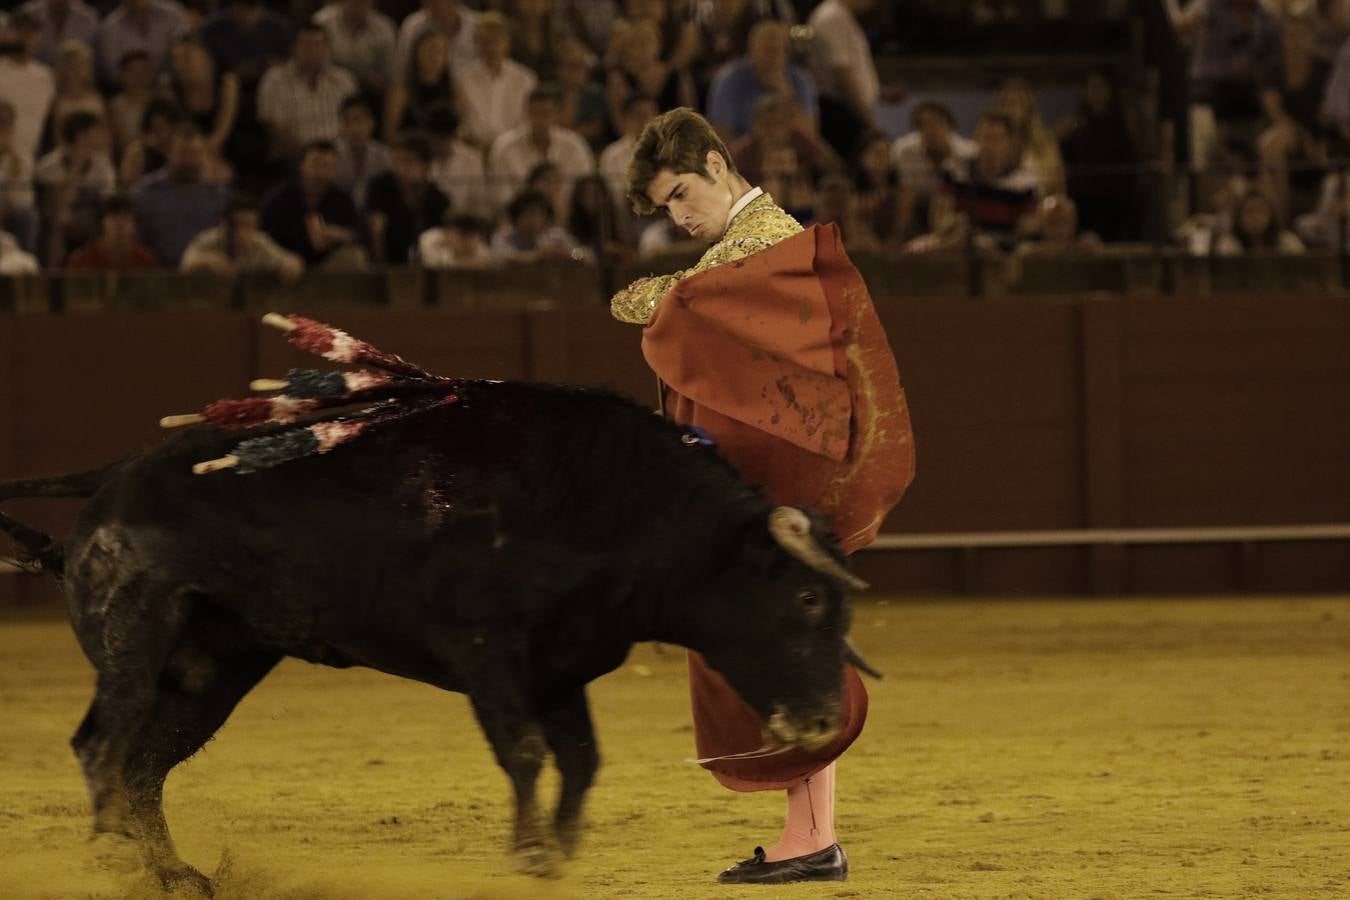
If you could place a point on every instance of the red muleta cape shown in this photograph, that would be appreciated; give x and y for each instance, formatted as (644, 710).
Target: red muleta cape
(780, 357)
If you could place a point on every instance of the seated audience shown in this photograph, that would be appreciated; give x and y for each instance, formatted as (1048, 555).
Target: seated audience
(402, 203)
(993, 193)
(457, 168)
(530, 232)
(765, 69)
(247, 38)
(17, 213)
(1057, 231)
(542, 139)
(783, 177)
(1292, 97)
(76, 90)
(207, 98)
(116, 248)
(547, 179)
(1038, 149)
(614, 159)
(836, 202)
(726, 29)
(780, 123)
(538, 36)
(1201, 231)
(461, 243)
(149, 25)
(1234, 43)
(426, 83)
(634, 66)
(450, 18)
(584, 109)
(136, 77)
(25, 83)
(362, 41)
(72, 182)
(1328, 225)
(360, 157)
(663, 238)
(176, 203)
(1256, 228)
(298, 100)
(312, 217)
(921, 157)
(845, 74)
(491, 89)
(60, 21)
(150, 150)
(877, 192)
(1099, 148)
(591, 220)
(14, 260)
(238, 246)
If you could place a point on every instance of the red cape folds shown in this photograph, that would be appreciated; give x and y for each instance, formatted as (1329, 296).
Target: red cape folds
(780, 357)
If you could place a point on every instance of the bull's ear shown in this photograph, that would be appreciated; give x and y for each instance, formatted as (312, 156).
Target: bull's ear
(791, 529)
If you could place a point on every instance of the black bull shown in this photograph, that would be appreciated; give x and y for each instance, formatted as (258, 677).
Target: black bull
(512, 547)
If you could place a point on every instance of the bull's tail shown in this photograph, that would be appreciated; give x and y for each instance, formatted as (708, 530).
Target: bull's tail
(40, 552)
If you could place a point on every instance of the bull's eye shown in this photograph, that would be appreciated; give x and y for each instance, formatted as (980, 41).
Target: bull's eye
(808, 600)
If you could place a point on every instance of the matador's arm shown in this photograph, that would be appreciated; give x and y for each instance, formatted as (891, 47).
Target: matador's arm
(637, 302)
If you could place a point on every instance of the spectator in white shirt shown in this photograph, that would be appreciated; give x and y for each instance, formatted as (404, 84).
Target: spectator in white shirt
(360, 156)
(362, 41)
(841, 60)
(456, 168)
(491, 90)
(27, 84)
(920, 158)
(638, 109)
(446, 16)
(459, 244)
(517, 152)
(298, 100)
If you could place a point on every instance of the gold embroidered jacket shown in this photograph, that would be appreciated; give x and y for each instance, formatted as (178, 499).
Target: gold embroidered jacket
(760, 225)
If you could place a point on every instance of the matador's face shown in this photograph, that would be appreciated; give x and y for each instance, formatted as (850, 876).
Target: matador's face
(696, 202)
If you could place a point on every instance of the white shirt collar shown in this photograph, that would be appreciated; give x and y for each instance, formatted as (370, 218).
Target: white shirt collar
(743, 203)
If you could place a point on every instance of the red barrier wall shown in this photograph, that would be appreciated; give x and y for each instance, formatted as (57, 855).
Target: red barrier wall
(1030, 413)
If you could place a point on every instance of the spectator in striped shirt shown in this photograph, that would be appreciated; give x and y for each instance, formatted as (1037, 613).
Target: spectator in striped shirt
(299, 99)
(993, 193)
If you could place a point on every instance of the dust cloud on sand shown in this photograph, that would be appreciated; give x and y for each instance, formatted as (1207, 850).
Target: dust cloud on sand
(1188, 748)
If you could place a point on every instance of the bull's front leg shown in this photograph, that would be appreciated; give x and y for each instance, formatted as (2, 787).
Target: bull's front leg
(496, 688)
(571, 737)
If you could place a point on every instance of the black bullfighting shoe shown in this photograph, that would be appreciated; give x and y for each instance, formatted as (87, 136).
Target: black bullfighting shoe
(829, 864)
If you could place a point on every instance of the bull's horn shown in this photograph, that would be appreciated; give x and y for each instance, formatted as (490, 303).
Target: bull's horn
(851, 656)
(215, 465)
(792, 530)
(267, 384)
(176, 421)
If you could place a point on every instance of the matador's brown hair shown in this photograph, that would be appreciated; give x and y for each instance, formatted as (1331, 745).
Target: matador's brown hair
(678, 140)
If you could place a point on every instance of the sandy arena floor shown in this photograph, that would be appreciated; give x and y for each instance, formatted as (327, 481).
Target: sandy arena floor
(1196, 748)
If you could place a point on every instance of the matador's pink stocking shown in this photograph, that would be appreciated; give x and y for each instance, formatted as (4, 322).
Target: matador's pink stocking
(810, 818)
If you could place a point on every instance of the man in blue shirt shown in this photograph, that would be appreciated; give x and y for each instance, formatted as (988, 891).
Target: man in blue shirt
(174, 204)
(765, 69)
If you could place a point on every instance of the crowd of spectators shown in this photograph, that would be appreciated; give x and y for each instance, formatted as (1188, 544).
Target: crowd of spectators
(230, 135)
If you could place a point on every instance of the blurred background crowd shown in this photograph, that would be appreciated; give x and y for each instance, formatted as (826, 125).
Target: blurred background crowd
(240, 135)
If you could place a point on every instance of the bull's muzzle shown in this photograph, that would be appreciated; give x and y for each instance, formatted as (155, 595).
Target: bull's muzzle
(809, 732)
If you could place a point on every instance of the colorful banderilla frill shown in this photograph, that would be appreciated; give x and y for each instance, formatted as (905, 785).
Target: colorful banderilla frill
(323, 398)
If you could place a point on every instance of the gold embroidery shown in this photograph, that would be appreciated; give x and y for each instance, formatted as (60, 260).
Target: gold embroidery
(759, 226)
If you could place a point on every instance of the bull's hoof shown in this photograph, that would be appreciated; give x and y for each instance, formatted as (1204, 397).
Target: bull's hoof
(569, 837)
(114, 852)
(184, 880)
(539, 861)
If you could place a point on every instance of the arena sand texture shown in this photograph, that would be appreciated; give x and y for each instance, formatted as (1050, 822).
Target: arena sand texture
(1057, 749)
